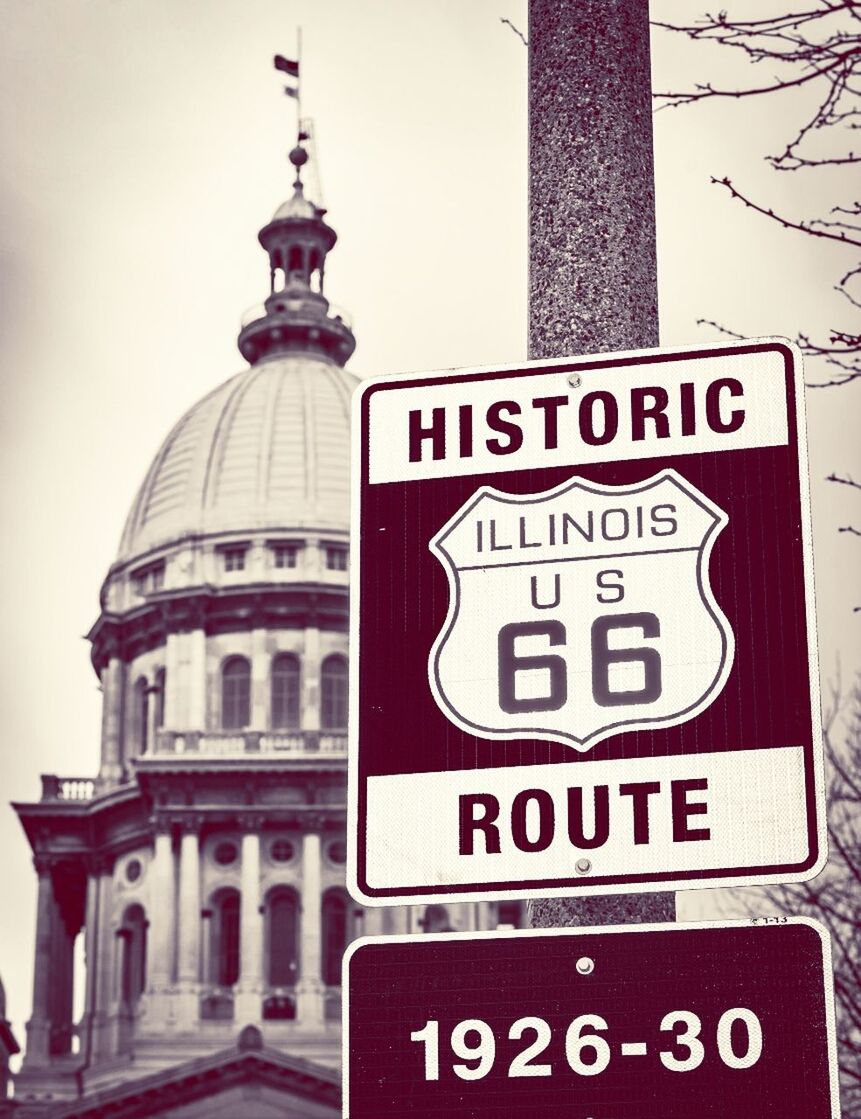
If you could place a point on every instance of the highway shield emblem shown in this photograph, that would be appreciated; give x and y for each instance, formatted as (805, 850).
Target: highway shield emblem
(580, 611)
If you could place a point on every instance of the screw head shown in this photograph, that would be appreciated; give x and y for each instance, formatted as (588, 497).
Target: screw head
(585, 966)
(583, 866)
(575, 380)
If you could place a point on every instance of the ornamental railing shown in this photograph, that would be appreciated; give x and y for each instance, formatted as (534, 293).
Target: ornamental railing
(232, 744)
(67, 788)
(259, 311)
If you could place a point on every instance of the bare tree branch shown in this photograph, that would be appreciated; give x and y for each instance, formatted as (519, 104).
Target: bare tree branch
(834, 897)
(817, 48)
(516, 30)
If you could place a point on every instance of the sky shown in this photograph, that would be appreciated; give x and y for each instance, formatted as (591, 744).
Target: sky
(144, 144)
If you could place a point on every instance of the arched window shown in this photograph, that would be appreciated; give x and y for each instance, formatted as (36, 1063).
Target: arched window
(333, 693)
(160, 683)
(133, 937)
(282, 937)
(316, 271)
(224, 938)
(285, 692)
(436, 919)
(337, 932)
(296, 259)
(141, 714)
(235, 693)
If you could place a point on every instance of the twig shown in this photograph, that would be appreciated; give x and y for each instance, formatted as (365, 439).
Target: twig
(516, 30)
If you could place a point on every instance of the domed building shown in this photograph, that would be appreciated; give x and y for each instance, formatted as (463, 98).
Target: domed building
(203, 866)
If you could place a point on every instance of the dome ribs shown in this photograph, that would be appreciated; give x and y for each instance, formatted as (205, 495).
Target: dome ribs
(218, 445)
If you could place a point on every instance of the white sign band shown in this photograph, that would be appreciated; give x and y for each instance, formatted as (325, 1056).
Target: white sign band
(621, 413)
(739, 809)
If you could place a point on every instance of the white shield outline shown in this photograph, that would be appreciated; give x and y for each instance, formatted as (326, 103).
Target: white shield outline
(436, 546)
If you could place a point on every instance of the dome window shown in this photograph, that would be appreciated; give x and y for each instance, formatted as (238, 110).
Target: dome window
(146, 580)
(235, 693)
(141, 714)
(285, 553)
(333, 693)
(336, 557)
(233, 557)
(285, 692)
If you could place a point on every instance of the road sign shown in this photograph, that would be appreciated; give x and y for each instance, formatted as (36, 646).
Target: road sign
(583, 616)
(654, 1022)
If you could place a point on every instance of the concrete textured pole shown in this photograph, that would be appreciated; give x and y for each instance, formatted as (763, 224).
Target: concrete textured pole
(592, 265)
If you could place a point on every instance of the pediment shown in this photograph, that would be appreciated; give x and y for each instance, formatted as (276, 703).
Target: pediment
(262, 1084)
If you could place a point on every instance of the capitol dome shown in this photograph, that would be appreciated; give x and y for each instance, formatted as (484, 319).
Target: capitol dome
(251, 487)
(268, 449)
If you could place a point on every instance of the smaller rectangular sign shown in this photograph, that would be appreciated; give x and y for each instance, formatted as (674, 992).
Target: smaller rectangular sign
(650, 1022)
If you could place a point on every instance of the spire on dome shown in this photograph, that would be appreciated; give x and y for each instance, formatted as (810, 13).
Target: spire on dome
(296, 316)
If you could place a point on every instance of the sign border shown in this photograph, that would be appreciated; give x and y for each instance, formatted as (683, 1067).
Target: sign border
(696, 879)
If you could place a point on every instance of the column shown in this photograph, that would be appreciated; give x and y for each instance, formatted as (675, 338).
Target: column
(311, 680)
(102, 946)
(113, 679)
(39, 1026)
(161, 934)
(373, 922)
(174, 691)
(248, 995)
(309, 991)
(259, 680)
(188, 948)
(196, 679)
(91, 944)
(396, 919)
(62, 978)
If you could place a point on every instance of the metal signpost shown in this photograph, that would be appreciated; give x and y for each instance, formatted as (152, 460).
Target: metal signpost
(584, 628)
(629, 1022)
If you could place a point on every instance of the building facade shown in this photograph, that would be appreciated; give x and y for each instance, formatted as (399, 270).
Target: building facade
(203, 867)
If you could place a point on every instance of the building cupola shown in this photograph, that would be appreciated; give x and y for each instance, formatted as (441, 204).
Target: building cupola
(296, 316)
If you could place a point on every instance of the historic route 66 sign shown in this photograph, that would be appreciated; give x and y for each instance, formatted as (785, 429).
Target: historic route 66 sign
(582, 628)
(573, 642)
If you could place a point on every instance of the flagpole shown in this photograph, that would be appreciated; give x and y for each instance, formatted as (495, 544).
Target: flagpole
(299, 82)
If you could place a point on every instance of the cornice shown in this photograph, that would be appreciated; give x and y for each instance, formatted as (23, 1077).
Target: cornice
(217, 610)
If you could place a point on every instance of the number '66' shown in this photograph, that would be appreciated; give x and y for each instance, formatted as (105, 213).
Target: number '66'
(603, 657)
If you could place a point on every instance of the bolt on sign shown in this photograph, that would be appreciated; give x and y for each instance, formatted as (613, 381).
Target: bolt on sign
(631, 1022)
(583, 628)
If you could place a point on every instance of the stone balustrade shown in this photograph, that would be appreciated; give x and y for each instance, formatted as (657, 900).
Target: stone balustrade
(67, 788)
(241, 743)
